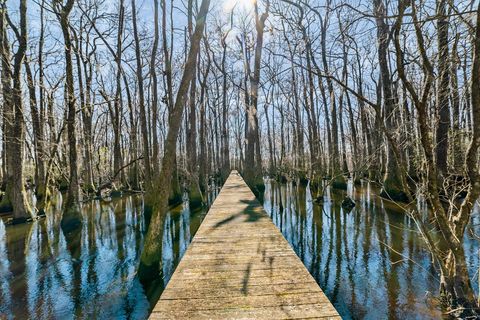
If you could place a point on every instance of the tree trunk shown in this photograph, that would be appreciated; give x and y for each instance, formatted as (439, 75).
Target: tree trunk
(337, 174)
(141, 103)
(151, 257)
(8, 110)
(392, 186)
(87, 119)
(203, 169)
(73, 194)
(37, 137)
(153, 74)
(253, 157)
(443, 89)
(117, 114)
(458, 141)
(225, 137)
(456, 289)
(134, 182)
(15, 193)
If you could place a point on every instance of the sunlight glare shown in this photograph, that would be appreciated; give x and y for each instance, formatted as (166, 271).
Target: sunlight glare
(246, 5)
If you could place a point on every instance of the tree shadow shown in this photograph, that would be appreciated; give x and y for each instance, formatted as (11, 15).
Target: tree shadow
(253, 211)
(246, 278)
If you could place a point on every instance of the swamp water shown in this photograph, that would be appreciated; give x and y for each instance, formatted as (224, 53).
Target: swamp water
(90, 274)
(371, 262)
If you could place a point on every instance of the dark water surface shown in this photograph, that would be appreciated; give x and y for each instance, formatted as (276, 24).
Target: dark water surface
(371, 262)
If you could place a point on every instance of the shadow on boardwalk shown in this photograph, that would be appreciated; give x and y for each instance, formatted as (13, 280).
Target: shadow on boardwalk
(240, 266)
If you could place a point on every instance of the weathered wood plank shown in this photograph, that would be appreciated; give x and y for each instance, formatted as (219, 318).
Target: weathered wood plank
(240, 266)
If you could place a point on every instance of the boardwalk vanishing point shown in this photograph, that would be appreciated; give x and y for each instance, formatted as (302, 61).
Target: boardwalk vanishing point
(239, 266)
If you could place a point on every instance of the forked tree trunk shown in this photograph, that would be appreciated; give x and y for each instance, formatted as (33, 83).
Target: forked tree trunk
(456, 288)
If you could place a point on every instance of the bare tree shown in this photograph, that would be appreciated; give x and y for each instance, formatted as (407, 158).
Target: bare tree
(150, 254)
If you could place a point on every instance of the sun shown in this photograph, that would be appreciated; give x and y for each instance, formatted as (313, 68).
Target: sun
(243, 5)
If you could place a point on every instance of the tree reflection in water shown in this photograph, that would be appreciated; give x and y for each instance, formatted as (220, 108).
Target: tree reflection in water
(371, 261)
(91, 273)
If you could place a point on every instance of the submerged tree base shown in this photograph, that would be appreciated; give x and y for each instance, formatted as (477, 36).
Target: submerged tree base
(348, 204)
(257, 185)
(303, 180)
(391, 191)
(259, 189)
(315, 186)
(254, 179)
(340, 183)
(71, 220)
(5, 203)
(148, 273)
(282, 178)
(175, 200)
(5, 206)
(357, 181)
(394, 194)
(63, 185)
(195, 198)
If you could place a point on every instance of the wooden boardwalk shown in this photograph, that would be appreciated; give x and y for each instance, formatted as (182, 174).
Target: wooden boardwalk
(240, 266)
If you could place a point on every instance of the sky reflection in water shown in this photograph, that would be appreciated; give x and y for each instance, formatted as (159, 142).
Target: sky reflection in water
(92, 273)
(371, 262)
